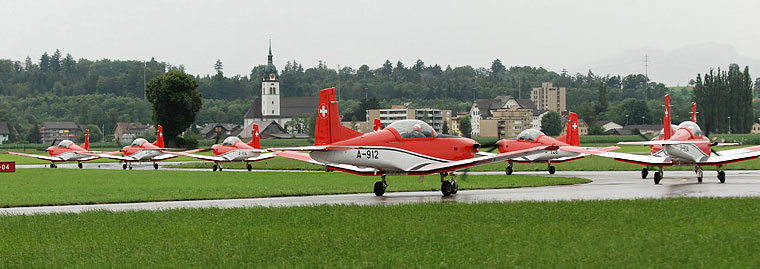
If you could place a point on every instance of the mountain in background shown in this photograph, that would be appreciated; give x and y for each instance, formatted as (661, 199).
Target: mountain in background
(672, 67)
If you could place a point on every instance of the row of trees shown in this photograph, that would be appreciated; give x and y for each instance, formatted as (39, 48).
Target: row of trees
(724, 99)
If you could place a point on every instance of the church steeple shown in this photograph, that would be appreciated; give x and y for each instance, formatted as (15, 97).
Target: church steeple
(270, 88)
(270, 52)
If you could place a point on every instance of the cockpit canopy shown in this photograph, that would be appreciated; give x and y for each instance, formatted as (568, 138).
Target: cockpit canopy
(413, 129)
(65, 144)
(529, 135)
(230, 141)
(693, 127)
(673, 128)
(138, 142)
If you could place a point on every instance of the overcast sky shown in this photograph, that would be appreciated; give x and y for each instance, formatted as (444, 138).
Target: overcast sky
(552, 34)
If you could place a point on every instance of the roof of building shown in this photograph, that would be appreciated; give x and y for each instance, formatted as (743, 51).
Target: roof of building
(289, 107)
(210, 127)
(247, 131)
(538, 112)
(4, 128)
(133, 127)
(289, 136)
(647, 127)
(526, 103)
(59, 125)
(486, 105)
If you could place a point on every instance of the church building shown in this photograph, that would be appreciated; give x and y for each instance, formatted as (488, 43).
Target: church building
(271, 106)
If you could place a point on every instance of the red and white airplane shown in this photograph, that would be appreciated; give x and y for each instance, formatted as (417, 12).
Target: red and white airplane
(532, 138)
(406, 147)
(233, 149)
(65, 151)
(142, 151)
(683, 145)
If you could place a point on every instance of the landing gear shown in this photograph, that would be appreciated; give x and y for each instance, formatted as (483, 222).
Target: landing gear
(380, 186)
(215, 167)
(698, 170)
(130, 166)
(644, 173)
(124, 166)
(155, 166)
(509, 169)
(721, 175)
(249, 167)
(658, 175)
(551, 169)
(79, 165)
(52, 165)
(449, 187)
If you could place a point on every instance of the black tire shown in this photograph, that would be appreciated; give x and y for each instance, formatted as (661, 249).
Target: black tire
(446, 188)
(508, 170)
(454, 187)
(130, 167)
(124, 166)
(699, 179)
(249, 167)
(722, 176)
(213, 168)
(644, 173)
(657, 177)
(79, 165)
(552, 170)
(379, 188)
(220, 168)
(155, 166)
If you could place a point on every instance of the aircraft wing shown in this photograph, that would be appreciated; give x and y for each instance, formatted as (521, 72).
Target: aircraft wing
(46, 158)
(307, 148)
(164, 156)
(113, 157)
(637, 159)
(300, 156)
(721, 158)
(203, 157)
(261, 157)
(662, 142)
(431, 168)
(738, 151)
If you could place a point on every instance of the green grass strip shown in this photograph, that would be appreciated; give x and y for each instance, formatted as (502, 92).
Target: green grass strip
(686, 233)
(30, 187)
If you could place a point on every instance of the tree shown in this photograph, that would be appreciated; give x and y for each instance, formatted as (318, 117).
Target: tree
(497, 68)
(95, 134)
(218, 67)
(465, 126)
(44, 62)
(175, 102)
(55, 61)
(387, 68)
(551, 123)
(601, 98)
(445, 128)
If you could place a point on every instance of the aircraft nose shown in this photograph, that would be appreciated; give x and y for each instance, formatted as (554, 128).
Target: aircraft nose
(475, 147)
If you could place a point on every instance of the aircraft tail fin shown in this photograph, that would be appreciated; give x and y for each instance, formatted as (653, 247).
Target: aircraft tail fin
(159, 137)
(328, 129)
(255, 143)
(666, 120)
(86, 144)
(377, 125)
(694, 112)
(571, 136)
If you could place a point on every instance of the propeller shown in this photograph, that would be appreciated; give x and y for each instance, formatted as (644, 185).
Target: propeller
(54, 140)
(218, 134)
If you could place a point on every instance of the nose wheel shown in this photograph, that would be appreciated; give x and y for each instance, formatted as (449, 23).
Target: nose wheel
(551, 169)
(124, 166)
(721, 175)
(644, 173)
(53, 165)
(380, 186)
(79, 165)
(658, 175)
(249, 167)
(155, 166)
(449, 187)
(508, 170)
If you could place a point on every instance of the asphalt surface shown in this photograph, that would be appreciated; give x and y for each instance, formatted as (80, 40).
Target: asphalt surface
(606, 185)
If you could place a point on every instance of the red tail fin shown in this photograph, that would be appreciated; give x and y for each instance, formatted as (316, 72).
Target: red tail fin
(694, 112)
(666, 120)
(377, 125)
(159, 137)
(255, 143)
(328, 129)
(573, 138)
(86, 144)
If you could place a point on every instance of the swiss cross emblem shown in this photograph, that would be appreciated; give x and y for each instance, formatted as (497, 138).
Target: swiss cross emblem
(575, 126)
(323, 111)
(256, 134)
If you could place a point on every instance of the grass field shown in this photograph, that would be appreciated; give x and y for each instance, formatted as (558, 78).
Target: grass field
(28, 187)
(686, 233)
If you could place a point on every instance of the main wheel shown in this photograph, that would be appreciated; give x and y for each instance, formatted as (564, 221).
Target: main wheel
(220, 168)
(446, 188)
(130, 167)
(124, 166)
(155, 166)
(379, 188)
(79, 165)
(552, 170)
(508, 170)
(722, 176)
(454, 187)
(249, 167)
(52, 165)
(699, 179)
(657, 177)
(213, 168)
(644, 172)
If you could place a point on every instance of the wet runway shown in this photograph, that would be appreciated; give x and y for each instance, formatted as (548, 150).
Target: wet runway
(605, 185)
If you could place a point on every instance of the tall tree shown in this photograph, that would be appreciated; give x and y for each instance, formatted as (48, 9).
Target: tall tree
(551, 123)
(44, 62)
(497, 68)
(465, 126)
(55, 61)
(601, 98)
(387, 68)
(175, 102)
(218, 67)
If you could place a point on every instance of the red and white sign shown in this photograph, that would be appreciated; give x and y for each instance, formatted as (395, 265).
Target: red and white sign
(7, 167)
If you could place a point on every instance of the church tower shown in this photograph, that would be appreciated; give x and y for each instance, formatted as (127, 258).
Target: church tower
(270, 89)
